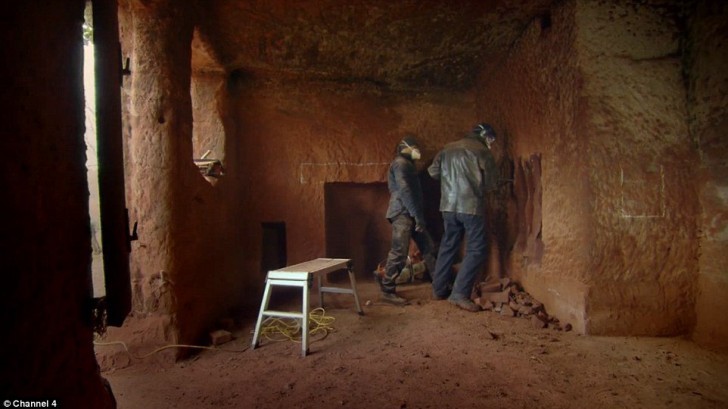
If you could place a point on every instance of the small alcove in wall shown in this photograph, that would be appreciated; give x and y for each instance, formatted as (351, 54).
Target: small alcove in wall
(274, 256)
(273, 245)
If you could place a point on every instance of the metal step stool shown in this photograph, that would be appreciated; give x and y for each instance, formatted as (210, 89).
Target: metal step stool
(301, 275)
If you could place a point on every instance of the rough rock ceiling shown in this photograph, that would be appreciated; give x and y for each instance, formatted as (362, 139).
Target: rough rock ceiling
(392, 43)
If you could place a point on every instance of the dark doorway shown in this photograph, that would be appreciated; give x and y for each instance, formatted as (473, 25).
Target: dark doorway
(356, 226)
(274, 256)
(273, 246)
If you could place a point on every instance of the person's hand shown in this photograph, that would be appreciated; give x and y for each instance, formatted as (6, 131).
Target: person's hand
(419, 228)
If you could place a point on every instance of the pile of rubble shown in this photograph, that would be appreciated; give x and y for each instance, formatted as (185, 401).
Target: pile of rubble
(507, 298)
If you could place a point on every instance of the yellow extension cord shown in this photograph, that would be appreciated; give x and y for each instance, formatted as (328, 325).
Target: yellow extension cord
(287, 328)
(283, 329)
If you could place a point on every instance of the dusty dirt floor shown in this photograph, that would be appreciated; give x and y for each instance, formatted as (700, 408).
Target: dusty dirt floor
(429, 354)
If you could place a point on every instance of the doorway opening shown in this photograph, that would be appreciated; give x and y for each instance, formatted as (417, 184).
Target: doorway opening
(92, 158)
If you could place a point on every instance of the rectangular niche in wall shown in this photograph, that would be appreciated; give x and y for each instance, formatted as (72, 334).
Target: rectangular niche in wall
(274, 255)
(356, 226)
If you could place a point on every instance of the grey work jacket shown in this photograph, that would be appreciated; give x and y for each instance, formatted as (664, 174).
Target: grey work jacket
(405, 192)
(466, 170)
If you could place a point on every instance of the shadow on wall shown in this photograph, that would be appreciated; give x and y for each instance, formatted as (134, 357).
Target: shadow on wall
(502, 220)
(527, 195)
(356, 226)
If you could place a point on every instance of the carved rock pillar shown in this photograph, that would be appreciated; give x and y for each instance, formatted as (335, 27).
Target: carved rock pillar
(160, 147)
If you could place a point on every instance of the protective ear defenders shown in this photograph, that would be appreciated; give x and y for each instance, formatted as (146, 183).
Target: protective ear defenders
(481, 130)
(484, 131)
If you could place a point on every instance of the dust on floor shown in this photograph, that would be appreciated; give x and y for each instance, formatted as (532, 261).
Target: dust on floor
(431, 355)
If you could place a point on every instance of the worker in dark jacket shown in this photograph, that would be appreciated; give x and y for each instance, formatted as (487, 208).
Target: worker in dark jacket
(406, 214)
(466, 170)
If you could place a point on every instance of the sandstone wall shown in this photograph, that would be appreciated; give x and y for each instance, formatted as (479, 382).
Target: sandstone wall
(592, 111)
(294, 137)
(281, 140)
(708, 102)
(533, 101)
(641, 169)
(596, 90)
(46, 248)
(185, 266)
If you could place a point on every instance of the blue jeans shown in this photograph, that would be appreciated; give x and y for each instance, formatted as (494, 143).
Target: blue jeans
(473, 228)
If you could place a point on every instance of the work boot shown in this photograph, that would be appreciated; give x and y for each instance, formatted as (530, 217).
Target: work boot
(393, 298)
(377, 278)
(436, 297)
(465, 304)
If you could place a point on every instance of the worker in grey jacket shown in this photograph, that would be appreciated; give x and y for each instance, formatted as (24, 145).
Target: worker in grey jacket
(466, 170)
(407, 216)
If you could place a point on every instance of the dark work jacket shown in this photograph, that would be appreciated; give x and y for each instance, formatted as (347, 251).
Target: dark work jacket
(466, 170)
(405, 192)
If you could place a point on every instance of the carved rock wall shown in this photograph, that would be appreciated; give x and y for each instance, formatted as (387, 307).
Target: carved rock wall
(533, 101)
(591, 108)
(186, 264)
(295, 137)
(281, 139)
(708, 102)
(596, 89)
(641, 169)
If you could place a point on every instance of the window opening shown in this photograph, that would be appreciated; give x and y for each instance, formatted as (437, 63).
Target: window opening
(208, 132)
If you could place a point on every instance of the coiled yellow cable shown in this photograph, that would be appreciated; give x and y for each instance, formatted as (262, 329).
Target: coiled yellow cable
(289, 329)
(274, 329)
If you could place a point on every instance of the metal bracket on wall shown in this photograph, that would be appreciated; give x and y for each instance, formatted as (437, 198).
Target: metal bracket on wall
(124, 68)
(133, 235)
